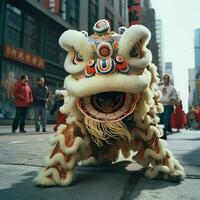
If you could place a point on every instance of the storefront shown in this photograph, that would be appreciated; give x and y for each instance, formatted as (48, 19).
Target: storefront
(29, 45)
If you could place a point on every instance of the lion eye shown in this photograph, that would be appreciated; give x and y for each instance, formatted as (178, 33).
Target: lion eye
(134, 52)
(77, 58)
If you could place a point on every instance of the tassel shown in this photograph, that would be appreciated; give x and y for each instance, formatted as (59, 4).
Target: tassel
(103, 131)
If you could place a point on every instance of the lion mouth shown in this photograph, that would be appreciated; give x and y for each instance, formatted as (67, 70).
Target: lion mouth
(108, 102)
(107, 106)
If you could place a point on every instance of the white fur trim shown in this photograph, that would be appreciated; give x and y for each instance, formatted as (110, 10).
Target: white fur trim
(153, 172)
(43, 180)
(74, 41)
(91, 161)
(140, 110)
(133, 35)
(115, 82)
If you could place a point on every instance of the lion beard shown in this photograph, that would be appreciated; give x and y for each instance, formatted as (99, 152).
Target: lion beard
(103, 131)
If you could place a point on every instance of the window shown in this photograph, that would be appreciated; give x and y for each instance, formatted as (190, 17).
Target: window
(54, 52)
(111, 2)
(63, 9)
(122, 9)
(61, 55)
(13, 25)
(72, 11)
(31, 35)
(52, 45)
(67, 9)
(21, 29)
(92, 15)
(109, 17)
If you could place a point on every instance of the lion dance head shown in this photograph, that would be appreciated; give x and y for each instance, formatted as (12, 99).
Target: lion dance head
(111, 103)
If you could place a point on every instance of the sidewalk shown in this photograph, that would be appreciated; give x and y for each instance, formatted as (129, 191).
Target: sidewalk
(101, 183)
(29, 128)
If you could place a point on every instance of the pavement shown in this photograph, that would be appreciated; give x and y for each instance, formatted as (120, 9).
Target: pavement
(7, 130)
(21, 157)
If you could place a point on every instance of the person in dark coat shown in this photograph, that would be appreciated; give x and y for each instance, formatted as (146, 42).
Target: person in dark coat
(40, 98)
(23, 98)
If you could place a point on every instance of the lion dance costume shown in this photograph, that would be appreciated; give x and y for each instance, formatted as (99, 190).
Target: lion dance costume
(111, 101)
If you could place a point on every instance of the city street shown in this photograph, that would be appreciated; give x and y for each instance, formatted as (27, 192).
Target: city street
(21, 156)
(114, 70)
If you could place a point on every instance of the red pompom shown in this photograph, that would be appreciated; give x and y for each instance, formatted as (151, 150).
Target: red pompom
(122, 66)
(90, 70)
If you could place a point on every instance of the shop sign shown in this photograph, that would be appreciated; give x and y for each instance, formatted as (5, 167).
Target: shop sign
(134, 9)
(53, 6)
(20, 55)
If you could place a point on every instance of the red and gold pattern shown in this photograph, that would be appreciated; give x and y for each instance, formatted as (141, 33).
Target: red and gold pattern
(89, 107)
(64, 157)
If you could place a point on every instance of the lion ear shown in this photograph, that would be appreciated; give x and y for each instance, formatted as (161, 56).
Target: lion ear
(79, 51)
(132, 45)
(72, 39)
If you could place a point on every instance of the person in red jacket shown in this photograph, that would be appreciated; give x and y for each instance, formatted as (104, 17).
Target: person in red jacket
(178, 117)
(23, 98)
(197, 114)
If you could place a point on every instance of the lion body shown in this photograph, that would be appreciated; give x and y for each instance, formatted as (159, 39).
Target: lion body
(111, 101)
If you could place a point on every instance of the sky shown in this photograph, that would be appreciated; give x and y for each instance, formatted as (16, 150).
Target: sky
(180, 18)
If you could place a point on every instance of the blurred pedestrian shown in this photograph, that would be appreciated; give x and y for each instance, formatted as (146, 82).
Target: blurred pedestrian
(23, 98)
(60, 117)
(197, 114)
(178, 116)
(8, 85)
(40, 99)
(190, 118)
(168, 98)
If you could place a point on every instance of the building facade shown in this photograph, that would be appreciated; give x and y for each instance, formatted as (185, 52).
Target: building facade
(141, 12)
(160, 43)
(169, 70)
(149, 20)
(29, 45)
(194, 73)
(197, 48)
(135, 11)
(194, 87)
(115, 11)
(197, 67)
(29, 35)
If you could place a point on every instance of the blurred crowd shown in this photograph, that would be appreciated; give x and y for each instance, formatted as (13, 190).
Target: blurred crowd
(193, 118)
(174, 118)
(190, 120)
(36, 96)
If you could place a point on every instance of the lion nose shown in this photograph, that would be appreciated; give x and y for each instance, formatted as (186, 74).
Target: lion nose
(105, 66)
